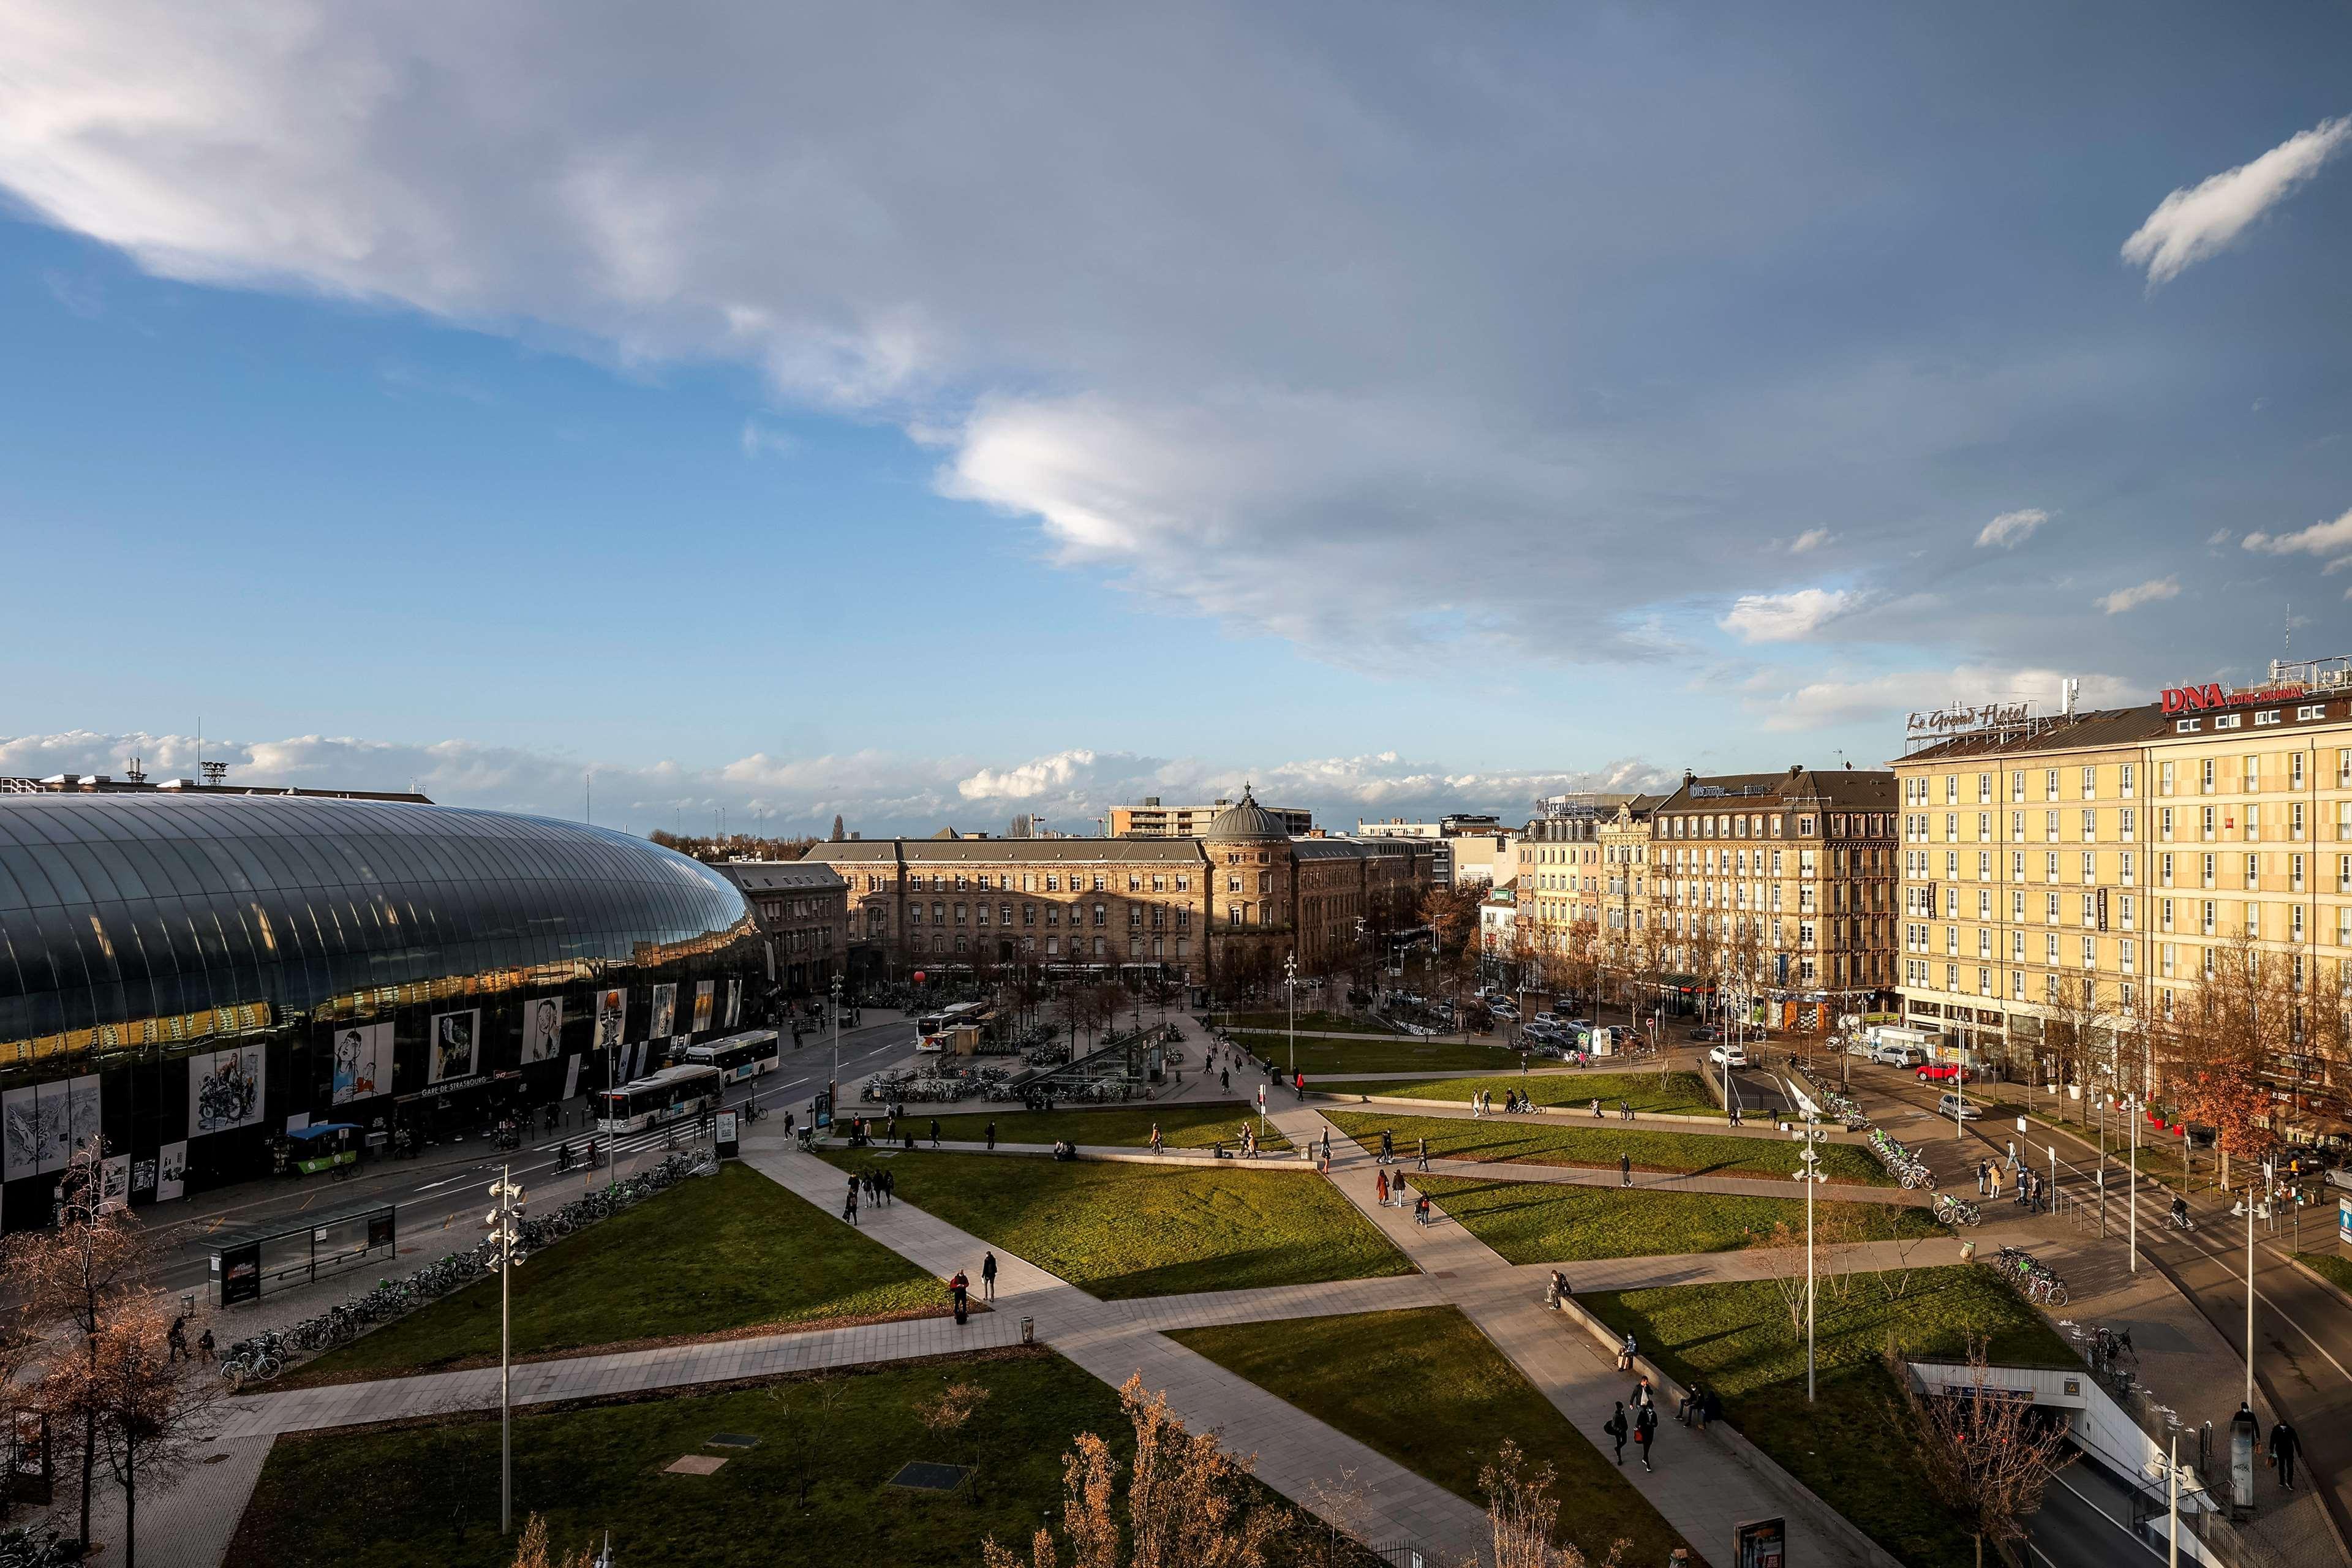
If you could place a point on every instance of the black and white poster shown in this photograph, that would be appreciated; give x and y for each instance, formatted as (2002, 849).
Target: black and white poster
(225, 1090)
(42, 1123)
(542, 1029)
(172, 1172)
(114, 1181)
(362, 1062)
(734, 1003)
(456, 1046)
(664, 1012)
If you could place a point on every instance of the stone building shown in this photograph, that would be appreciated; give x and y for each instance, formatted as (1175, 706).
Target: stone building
(802, 910)
(1226, 907)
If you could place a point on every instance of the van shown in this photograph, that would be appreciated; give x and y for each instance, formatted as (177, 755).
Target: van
(1949, 1106)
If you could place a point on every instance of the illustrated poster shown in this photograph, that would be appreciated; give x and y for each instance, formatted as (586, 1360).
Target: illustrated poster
(542, 1029)
(225, 1090)
(734, 1004)
(612, 1017)
(664, 1011)
(171, 1173)
(704, 991)
(455, 1045)
(363, 1058)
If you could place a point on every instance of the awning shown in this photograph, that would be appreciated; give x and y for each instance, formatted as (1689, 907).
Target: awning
(322, 1129)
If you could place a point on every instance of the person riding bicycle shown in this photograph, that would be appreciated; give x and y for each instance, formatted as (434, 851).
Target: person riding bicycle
(2179, 1211)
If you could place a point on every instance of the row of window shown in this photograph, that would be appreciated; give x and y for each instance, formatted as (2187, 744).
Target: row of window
(877, 915)
(1029, 882)
(1158, 947)
(2207, 774)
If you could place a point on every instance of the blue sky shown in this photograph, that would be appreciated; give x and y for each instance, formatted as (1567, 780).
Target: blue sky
(789, 413)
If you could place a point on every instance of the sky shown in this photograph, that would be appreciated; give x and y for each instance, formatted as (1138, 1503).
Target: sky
(926, 415)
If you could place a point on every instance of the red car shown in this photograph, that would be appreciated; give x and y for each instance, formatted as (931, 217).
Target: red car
(1936, 1071)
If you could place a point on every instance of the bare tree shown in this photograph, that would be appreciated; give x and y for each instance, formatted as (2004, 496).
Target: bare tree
(946, 1416)
(149, 1408)
(2240, 1021)
(532, 1551)
(1985, 1453)
(1189, 1501)
(1523, 1514)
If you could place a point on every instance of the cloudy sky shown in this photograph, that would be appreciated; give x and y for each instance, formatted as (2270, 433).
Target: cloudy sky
(929, 415)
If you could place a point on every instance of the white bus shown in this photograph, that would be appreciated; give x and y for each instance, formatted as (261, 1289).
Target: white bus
(737, 1057)
(673, 1094)
(933, 1030)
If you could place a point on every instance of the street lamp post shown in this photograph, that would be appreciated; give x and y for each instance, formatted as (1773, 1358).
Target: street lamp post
(506, 1235)
(1290, 984)
(833, 1087)
(1810, 1135)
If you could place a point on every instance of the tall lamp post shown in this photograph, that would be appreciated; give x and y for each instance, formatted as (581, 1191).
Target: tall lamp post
(1290, 984)
(506, 1233)
(1810, 1135)
(832, 1086)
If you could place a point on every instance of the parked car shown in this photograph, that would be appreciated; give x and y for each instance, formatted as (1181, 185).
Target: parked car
(1502, 1009)
(1729, 1056)
(1939, 1072)
(1948, 1104)
(1893, 1056)
(1708, 1031)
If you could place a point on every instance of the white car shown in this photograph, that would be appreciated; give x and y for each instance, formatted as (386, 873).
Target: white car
(1729, 1056)
(1551, 1019)
(1502, 1009)
(1898, 1056)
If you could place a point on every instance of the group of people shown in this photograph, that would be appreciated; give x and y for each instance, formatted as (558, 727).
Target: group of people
(959, 1288)
(1388, 1155)
(1625, 1110)
(877, 1186)
(2031, 1188)
(176, 1339)
(1514, 1102)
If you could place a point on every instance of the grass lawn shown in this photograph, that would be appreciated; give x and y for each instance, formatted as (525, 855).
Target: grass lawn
(1321, 1022)
(390, 1498)
(1120, 1230)
(2333, 1267)
(1536, 1222)
(1554, 1142)
(1425, 1388)
(1850, 1447)
(1684, 1094)
(1181, 1126)
(732, 1252)
(1320, 1057)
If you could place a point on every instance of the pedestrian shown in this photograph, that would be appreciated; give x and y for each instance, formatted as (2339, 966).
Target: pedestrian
(1380, 1187)
(1616, 1426)
(1710, 1409)
(1326, 1148)
(205, 1346)
(935, 1131)
(1387, 1147)
(1421, 1209)
(1982, 1172)
(1645, 1396)
(890, 1187)
(2284, 1446)
(850, 1203)
(1225, 1080)
(1625, 1169)
(1155, 1138)
(1477, 1104)
(1645, 1432)
(959, 1292)
(176, 1338)
(988, 1275)
(1552, 1288)
(1994, 1175)
(1596, 1110)
(1423, 1163)
(1396, 1193)
(991, 1132)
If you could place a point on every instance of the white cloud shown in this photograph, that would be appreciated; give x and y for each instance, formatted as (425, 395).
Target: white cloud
(2011, 528)
(2153, 591)
(2320, 538)
(1811, 540)
(1786, 618)
(2195, 221)
(758, 440)
(2219, 536)
(1879, 699)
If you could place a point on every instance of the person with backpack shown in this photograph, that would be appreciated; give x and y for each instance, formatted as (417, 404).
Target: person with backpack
(1616, 1426)
(849, 1204)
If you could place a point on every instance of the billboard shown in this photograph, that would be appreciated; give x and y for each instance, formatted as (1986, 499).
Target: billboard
(612, 1015)
(542, 1029)
(664, 1012)
(457, 1042)
(705, 992)
(42, 1123)
(225, 1090)
(362, 1062)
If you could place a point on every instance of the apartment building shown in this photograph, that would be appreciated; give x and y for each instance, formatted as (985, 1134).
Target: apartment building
(1467, 848)
(1152, 819)
(1560, 878)
(802, 912)
(2092, 866)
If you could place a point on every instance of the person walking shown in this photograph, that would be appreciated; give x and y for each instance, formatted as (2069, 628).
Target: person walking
(1225, 1080)
(2284, 1446)
(1477, 1105)
(1156, 1145)
(988, 1275)
(1710, 1409)
(1993, 1176)
(1421, 1209)
(1981, 1170)
(1625, 1169)
(1645, 1396)
(177, 1339)
(1326, 1148)
(1387, 1147)
(935, 1131)
(1423, 1163)
(1380, 1187)
(850, 1203)
(1596, 1110)
(204, 1344)
(1616, 1426)
(991, 1132)
(1645, 1432)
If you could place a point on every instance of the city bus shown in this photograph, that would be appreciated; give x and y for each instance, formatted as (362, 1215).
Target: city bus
(933, 1031)
(673, 1094)
(737, 1057)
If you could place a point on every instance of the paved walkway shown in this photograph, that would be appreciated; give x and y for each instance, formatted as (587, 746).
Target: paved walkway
(1574, 1115)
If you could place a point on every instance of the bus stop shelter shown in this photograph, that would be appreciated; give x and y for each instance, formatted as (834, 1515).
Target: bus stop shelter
(299, 1249)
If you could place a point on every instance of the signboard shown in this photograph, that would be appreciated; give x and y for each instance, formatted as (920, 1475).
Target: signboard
(1760, 1543)
(1961, 716)
(240, 1274)
(725, 1130)
(2198, 699)
(2344, 1222)
(172, 1171)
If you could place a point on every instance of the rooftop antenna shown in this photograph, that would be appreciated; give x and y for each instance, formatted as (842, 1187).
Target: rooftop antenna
(135, 773)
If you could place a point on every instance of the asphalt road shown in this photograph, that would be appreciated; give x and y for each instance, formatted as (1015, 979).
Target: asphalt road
(444, 1185)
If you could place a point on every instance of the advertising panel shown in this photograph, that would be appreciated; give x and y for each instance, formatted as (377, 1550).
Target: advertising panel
(612, 1017)
(457, 1045)
(240, 1274)
(664, 1012)
(225, 1090)
(734, 1004)
(705, 993)
(44, 1121)
(172, 1172)
(362, 1062)
(542, 1029)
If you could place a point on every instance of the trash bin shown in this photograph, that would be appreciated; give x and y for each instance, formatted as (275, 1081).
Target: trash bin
(1028, 1330)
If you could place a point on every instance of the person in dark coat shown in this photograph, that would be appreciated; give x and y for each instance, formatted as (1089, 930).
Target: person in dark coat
(2284, 1446)
(935, 1131)
(1646, 1431)
(991, 1134)
(1625, 1169)
(849, 1204)
(987, 1277)
(1616, 1426)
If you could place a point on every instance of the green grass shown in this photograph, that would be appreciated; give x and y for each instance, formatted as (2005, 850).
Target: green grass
(1555, 1142)
(2333, 1267)
(1684, 1094)
(1538, 1221)
(1426, 1389)
(729, 1253)
(1122, 1230)
(390, 1498)
(1181, 1126)
(1850, 1447)
(1321, 1022)
(1317, 1057)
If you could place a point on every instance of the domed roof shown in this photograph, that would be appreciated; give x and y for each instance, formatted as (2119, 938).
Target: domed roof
(1246, 819)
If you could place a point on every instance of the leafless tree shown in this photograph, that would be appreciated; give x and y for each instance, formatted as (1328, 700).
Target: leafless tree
(532, 1551)
(1985, 1453)
(1522, 1513)
(149, 1408)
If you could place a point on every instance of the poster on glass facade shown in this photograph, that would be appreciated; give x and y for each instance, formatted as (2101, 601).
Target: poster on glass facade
(41, 1124)
(571, 1077)
(612, 1017)
(734, 1004)
(457, 1042)
(172, 1172)
(704, 991)
(542, 1029)
(223, 1090)
(664, 1012)
(142, 1176)
(114, 1180)
(362, 1062)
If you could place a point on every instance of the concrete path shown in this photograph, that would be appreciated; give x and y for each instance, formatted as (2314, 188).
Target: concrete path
(1575, 1115)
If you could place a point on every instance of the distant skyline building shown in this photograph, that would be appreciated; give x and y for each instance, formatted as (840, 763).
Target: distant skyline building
(1149, 819)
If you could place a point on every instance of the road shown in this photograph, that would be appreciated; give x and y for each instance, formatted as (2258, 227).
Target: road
(2303, 1330)
(442, 1188)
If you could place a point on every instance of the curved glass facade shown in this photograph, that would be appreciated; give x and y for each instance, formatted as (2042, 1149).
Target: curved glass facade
(386, 958)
